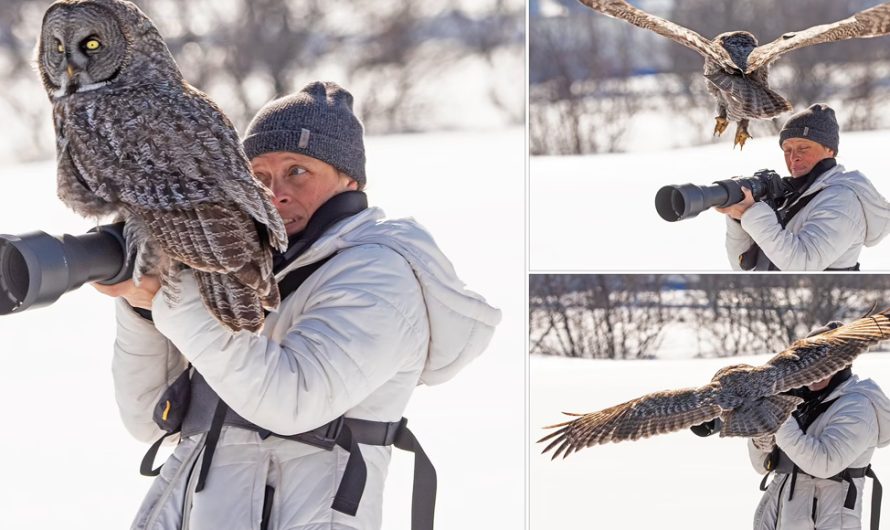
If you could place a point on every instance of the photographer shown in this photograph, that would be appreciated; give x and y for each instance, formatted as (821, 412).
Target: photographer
(377, 310)
(821, 456)
(826, 220)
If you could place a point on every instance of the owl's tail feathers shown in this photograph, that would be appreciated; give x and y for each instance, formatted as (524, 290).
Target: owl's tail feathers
(234, 304)
(760, 417)
(757, 100)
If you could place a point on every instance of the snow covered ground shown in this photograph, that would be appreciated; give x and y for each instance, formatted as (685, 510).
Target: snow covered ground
(676, 480)
(598, 212)
(68, 462)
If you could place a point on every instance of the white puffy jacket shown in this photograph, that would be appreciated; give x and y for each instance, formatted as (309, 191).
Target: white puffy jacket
(829, 232)
(386, 313)
(843, 436)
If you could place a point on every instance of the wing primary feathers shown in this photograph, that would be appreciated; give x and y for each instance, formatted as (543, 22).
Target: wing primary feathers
(748, 398)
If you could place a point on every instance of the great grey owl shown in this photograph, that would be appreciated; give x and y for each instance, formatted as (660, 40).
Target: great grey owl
(749, 399)
(736, 67)
(135, 140)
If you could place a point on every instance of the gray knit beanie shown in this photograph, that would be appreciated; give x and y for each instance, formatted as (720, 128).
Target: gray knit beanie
(317, 121)
(816, 123)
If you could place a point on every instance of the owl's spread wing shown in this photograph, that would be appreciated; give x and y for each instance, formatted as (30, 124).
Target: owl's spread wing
(677, 33)
(655, 413)
(812, 359)
(872, 22)
(175, 161)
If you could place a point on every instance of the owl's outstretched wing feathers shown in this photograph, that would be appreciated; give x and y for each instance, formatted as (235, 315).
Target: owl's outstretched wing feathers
(677, 33)
(815, 358)
(872, 22)
(805, 362)
(655, 413)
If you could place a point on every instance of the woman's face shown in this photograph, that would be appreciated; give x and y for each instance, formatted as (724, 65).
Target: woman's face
(802, 155)
(300, 185)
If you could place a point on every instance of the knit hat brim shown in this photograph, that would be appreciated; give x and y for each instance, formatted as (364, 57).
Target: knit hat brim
(340, 155)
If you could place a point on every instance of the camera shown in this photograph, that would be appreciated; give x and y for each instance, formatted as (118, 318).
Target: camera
(685, 201)
(37, 268)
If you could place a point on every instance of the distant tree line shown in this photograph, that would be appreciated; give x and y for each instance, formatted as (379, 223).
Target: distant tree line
(625, 316)
(592, 75)
(245, 52)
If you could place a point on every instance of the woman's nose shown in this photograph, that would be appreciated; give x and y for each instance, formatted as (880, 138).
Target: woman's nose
(280, 194)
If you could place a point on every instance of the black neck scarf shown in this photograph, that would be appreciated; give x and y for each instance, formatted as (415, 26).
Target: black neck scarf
(334, 210)
(802, 183)
(809, 410)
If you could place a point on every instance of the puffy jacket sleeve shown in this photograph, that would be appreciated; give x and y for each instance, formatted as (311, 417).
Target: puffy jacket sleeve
(144, 364)
(834, 222)
(737, 242)
(851, 430)
(363, 321)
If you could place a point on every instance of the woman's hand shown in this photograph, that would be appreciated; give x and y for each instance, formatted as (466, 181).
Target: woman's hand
(136, 295)
(736, 210)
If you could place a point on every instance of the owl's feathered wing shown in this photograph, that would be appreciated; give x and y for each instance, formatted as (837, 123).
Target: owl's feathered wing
(173, 161)
(872, 22)
(677, 33)
(655, 413)
(748, 399)
(815, 358)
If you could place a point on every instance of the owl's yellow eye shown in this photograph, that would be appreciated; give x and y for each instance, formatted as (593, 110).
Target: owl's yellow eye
(93, 44)
(60, 47)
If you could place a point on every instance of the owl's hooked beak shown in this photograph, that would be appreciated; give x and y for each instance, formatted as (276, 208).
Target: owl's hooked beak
(70, 70)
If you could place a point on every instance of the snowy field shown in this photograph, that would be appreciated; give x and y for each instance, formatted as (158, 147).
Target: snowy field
(68, 462)
(598, 212)
(676, 480)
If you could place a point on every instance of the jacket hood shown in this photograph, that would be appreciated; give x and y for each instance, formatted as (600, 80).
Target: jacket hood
(461, 321)
(881, 403)
(874, 205)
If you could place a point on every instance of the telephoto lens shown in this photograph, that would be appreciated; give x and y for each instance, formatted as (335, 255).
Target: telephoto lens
(676, 203)
(37, 268)
(685, 201)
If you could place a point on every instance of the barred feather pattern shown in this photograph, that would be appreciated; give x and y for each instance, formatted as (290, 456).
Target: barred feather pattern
(142, 144)
(735, 65)
(748, 399)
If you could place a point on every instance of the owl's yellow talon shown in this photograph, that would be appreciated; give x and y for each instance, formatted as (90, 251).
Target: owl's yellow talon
(741, 136)
(721, 125)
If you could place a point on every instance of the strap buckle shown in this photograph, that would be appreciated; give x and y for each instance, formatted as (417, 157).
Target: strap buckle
(324, 437)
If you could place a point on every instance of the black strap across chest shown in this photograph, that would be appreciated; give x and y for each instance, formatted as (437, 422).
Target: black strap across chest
(785, 215)
(344, 432)
(779, 462)
(748, 259)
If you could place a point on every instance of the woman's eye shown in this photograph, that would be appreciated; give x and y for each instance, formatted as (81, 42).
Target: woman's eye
(297, 171)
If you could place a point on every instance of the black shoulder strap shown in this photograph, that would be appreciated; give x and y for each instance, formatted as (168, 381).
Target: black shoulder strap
(296, 277)
(786, 215)
(817, 411)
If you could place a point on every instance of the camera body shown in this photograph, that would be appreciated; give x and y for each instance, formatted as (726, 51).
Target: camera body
(685, 201)
(37, 268)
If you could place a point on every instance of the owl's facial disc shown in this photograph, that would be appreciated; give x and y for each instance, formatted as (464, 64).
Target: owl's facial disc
(81, 49)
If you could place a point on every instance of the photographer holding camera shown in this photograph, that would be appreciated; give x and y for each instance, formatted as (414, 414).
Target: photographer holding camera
(821, 456)
(293, 427)
(826, 218)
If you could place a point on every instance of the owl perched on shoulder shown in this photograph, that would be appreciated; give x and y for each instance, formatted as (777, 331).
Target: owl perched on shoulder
(135, 140)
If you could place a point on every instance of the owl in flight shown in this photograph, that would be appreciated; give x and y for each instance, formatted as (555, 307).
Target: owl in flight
(736, 67)
(749, 399)
(135, 140)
